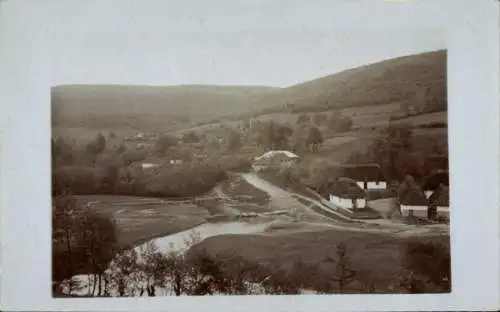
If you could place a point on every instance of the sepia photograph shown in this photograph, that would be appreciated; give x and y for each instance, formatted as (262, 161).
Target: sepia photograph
(332, 178)
(229, 151)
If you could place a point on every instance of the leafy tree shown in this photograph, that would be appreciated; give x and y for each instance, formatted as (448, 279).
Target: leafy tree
(274, 136)
(319, 118)
(164, 143)
(112, 135)
(62, 152)
(110, 180)
(234, 144)
(190, 137)
(344, 274)
(429, 266)
(63, 230)
(298, 139)
(99, 243)
(98, 145)
(345, 124)
(303, 119)
(314, 139)
(121, 149)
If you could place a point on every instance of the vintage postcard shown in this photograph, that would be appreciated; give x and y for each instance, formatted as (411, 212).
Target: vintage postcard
(260, 155)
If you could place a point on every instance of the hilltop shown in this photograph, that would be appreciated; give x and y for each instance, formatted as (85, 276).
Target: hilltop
(391, 81)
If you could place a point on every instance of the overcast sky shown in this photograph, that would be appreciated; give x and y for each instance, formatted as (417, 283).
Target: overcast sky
(272, 43)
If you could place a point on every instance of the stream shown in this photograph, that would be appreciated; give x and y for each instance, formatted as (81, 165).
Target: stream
(180, 242)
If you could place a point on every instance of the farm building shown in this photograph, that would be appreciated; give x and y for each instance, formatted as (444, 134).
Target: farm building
(439, 203)
(414, 203)
(346, 193)
(367, 176)
(434, 180)
(438, 162)
(274, 159)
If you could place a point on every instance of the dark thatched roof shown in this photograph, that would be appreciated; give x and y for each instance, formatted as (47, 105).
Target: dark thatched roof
(414, 197)
(441, 197)
(432, 182)
(345, 188)
(360, 172)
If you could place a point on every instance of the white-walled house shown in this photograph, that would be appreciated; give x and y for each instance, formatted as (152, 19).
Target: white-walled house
(345, 193)
(367, 176)
(440, 201)
(414, 203)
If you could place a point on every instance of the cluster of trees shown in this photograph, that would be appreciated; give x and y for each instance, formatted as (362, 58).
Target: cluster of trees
(82, 241)
(83, 172)
(178, 181)
(336, 122)
(400, 153)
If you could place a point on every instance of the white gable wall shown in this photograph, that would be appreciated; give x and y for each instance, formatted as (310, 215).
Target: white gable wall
(418, 211)
(373, 185)
(443, 212)
(347, 202)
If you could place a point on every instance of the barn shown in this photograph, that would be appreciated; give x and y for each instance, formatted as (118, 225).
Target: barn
(346, 193)
(367, 176)
(414, 203)
(439, 203)
(434, 180)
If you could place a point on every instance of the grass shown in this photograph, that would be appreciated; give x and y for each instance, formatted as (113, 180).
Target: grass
(366, 213)
(240, 190)
(375, 257)
(137, 223)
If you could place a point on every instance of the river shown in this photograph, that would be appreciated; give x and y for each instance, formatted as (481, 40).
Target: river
(180, 242)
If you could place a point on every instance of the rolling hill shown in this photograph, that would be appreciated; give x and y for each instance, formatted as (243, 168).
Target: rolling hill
(394, 81)
(101, 106)
(391, 81)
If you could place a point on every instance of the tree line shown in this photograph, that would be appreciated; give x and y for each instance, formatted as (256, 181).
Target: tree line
(399, 153)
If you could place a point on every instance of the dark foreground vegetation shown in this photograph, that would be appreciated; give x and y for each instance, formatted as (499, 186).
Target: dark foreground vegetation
(86, 243)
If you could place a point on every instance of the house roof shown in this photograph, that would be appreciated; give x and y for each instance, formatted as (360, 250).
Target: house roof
(414, 197)
(345, 188)
(441, 197)
(272, 154)
(435, 179)
(360, 172)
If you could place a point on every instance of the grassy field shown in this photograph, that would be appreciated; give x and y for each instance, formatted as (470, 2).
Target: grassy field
(375, 257)
(139, 219)
(240, 190)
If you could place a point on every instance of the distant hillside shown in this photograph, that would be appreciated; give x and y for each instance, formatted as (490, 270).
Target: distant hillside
(106, 105)
(393, 81)
(390, 81)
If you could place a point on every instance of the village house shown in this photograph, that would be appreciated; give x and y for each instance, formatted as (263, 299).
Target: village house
(367, 176)
(414, 204)
(275, 160)
(434, 180)
(439, 203)
(347, 194)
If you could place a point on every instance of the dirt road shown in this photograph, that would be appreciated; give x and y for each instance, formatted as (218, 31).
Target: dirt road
(282, 199)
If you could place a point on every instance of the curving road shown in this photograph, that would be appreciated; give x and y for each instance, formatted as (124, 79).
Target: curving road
(282, 199)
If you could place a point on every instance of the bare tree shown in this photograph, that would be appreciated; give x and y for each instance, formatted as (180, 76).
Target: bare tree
(344, 274)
